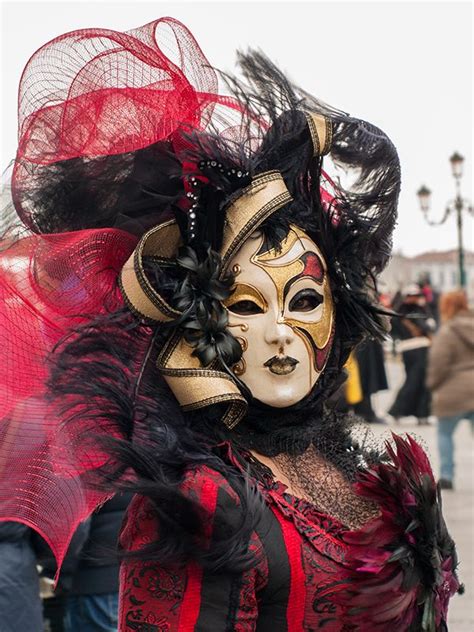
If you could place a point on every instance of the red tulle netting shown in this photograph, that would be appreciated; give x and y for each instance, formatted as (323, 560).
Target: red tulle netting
(85, 94)
(48, 286)
(97, 92)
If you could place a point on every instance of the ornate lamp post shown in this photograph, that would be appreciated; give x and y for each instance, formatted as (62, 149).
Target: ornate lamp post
(457, 205)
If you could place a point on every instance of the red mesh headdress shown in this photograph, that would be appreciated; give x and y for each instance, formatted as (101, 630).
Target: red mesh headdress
(115, 131)
(97, 92)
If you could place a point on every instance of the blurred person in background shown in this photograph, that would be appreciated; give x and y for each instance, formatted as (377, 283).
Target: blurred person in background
(413, 330)
(451, 376)
(431, 296)
(352, 387)
(92, 601)
(370, 359)
(89, 579)
(20, 602)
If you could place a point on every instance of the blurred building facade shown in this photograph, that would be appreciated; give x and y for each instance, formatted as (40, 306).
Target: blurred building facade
(440, 266)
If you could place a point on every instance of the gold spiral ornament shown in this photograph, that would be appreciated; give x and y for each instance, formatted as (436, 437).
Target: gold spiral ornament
(236, 269)
(239, 368)
(243, 326)
(243, 342)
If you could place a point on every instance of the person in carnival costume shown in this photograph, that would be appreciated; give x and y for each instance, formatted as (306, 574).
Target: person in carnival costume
(180, 291)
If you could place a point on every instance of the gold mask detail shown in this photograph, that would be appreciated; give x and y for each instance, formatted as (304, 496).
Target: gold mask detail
(282, 302)
(293, 262)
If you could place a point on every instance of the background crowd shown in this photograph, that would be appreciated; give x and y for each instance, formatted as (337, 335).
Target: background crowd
(433, 336)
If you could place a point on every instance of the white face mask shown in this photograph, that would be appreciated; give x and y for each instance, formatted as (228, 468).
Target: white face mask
(282, 304)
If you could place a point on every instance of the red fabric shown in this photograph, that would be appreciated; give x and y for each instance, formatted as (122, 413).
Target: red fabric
(159, 599)
(48, 285)
(115, 92)
(296, 602)
(98, 92)
(152, 594)
(191, 599)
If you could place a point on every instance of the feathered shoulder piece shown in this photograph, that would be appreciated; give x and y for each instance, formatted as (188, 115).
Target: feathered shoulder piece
(406, 553)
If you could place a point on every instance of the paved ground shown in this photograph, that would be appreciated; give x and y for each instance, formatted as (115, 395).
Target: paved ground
(458, 504)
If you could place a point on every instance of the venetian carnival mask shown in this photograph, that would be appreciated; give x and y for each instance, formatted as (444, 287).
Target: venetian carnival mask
(281, 312)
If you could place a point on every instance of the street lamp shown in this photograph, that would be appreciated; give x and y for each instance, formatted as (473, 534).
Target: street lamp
(457, 162)
(458, 205)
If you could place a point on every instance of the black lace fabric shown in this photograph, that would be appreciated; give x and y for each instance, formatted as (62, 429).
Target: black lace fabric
(318, 481)
(321, 464)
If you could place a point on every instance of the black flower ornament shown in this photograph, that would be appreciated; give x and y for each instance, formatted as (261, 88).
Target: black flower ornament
(204, 320)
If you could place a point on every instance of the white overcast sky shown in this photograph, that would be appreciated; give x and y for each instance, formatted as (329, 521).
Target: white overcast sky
(405, 66)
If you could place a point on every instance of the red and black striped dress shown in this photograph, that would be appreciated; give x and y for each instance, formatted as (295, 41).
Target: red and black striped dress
(310, 572)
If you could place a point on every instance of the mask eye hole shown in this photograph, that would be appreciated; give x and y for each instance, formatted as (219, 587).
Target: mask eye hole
(245, 308)
(305, 301)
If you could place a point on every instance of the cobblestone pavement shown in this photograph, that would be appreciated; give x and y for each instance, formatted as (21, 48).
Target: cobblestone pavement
(458, 504)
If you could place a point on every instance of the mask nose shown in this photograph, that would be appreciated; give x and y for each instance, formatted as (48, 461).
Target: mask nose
(279, 334)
